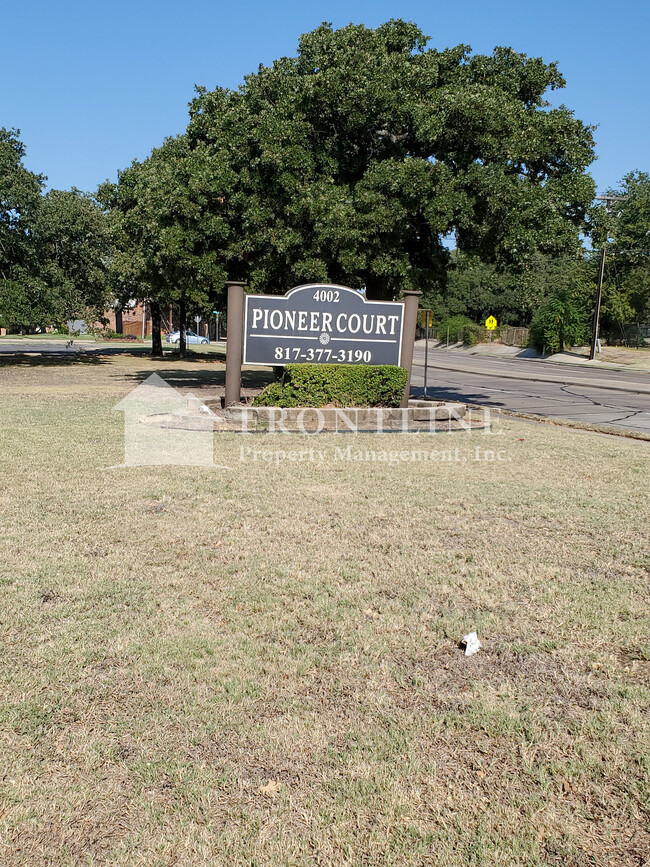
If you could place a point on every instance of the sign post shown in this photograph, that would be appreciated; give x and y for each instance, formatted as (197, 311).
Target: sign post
(234, 343)
(411, 301)
(490, 324)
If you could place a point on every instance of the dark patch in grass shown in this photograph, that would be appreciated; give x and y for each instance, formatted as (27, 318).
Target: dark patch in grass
(95, 552)
(47, 595)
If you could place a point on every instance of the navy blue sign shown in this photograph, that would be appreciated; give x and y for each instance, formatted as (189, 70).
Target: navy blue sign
(321, 324)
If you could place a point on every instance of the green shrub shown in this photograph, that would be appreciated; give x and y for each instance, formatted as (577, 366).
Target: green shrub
(337, 384)
(473, 334)
(558, 322)
(461, 328)
(455, 326)
(110, 334)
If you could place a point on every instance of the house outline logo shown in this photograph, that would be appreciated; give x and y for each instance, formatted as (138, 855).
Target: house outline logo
(151, 444)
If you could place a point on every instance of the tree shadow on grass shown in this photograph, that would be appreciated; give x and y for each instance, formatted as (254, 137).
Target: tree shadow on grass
(218, 355)
(207, 377)
(53, 358)
(61, 359)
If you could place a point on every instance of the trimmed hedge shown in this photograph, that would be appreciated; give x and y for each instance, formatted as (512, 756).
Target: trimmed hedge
(337, 384)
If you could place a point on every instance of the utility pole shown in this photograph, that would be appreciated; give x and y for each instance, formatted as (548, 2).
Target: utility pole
(595, 329)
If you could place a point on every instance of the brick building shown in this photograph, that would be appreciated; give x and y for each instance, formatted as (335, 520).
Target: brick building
(130, 320)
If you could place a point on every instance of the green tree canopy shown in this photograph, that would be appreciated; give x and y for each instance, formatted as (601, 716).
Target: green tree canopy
(628, 272)
(167, 228)
(20, 199)
(73, 251)
(478, 289)
(354, 159)
(54, 249)
(622, 228)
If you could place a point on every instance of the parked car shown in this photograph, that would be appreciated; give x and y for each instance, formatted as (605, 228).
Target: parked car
(190, 337)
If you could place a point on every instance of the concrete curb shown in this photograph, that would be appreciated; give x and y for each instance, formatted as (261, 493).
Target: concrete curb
(607, 385)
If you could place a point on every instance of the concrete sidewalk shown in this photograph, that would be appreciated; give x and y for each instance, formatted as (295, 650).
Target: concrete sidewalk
(611, 358)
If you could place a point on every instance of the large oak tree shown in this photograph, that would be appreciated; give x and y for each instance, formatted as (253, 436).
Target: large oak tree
(357, 157)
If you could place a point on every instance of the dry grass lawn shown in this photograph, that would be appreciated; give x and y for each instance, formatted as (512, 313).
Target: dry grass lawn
(258, 665)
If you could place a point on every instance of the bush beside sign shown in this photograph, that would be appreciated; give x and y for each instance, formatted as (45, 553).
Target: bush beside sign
(342, 385)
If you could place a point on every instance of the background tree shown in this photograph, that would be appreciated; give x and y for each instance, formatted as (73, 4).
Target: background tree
(623, 229)
(477, 290)
(54, 249)
(356, 158)
(20, 199)
(73, 250)
(559, 321)
(626, 295)
(167, 231)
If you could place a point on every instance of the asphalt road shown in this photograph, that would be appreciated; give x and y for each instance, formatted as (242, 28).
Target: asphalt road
(614, 397)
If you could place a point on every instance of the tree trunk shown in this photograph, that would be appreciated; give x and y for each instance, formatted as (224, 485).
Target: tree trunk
(156, 337)
(182, 343)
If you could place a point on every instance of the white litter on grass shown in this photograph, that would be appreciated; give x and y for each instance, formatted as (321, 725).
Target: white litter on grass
(205, 409)
(471, 642)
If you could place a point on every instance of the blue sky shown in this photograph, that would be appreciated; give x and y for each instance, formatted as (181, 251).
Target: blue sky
(93, 85)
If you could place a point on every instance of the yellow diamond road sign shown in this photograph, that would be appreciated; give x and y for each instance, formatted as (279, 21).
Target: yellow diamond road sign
(490, 323)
